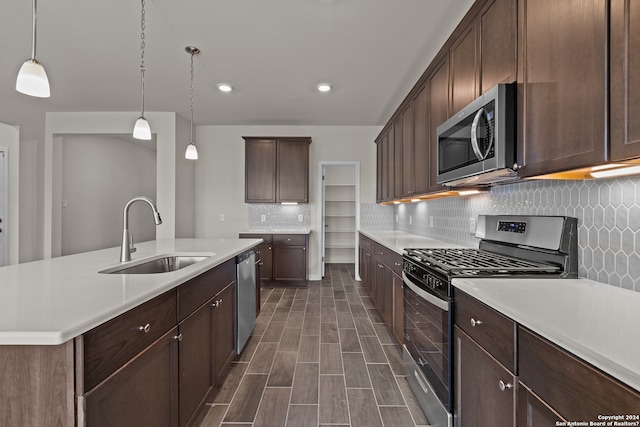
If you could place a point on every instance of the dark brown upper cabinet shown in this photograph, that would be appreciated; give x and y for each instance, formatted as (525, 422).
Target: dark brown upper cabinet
(464, 68)
(421, 156)
(498, 41)
(277, 169)
(625, 79)
(397, 159)
(562, 84)
(438, 113)
(407, 165)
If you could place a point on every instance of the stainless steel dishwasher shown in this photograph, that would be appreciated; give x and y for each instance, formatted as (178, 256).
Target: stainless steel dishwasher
(246, 303)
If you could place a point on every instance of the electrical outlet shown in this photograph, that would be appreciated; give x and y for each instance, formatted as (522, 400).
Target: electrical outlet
(300, 218)
(64, 203)
(396, 218)
(263, 218)
(410, 220)
(221, 217)
(472, 225)
(431, 221)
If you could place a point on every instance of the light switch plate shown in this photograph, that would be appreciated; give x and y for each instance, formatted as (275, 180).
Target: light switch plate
(221, 217)
(300, 218)
(410, 220)
(263, 218)
(472, 225)
(431, 221)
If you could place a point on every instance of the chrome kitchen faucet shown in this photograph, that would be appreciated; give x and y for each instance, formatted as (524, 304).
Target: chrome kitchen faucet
(127, 241)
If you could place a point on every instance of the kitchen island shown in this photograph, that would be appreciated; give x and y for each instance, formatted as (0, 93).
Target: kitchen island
(76, 344)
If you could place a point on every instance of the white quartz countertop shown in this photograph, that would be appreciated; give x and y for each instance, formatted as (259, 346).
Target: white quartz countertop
(597, 322)
(277, 231)
(397, 241)
(54, 300)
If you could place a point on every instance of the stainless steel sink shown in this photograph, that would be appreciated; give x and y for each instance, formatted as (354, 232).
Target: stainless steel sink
(157, 264)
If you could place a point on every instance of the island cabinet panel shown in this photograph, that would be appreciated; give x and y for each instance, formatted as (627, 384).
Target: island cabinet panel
(562, 90)
(498, 40)
(625, 79)
(142, 393)
(200, 289)
(574, 389)
(224, 335)
(109, 346)
(37, 385)
(196, 344)
(438, 113)
(260, 171)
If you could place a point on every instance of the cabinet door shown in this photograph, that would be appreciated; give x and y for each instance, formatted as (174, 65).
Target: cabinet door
(260, 171)
(398, 308)
(266, 262)
(290, 263)
(125, 400)
(532, 411)
(464, 68)
(438, 113)
(388, 297)
(378, 291)
(379, 169)
(385, 178)
(625, 79)
(397, 159)
(498, 37)
(408, 155)
(421, 156)
(478, 397)
(293, 171)
(562, 102)
(196, 345)
(224, 331)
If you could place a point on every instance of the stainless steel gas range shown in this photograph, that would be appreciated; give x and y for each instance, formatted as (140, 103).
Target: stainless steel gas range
(510, 247)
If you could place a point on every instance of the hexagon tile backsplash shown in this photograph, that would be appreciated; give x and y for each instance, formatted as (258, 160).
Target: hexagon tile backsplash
(608, 213)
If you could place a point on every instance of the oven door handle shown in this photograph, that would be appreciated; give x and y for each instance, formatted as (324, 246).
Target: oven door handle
(438, 302)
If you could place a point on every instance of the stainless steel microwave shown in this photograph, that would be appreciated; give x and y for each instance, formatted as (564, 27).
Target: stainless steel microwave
(477, 145)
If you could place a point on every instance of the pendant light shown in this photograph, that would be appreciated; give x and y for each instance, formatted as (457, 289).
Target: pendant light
(32, 78)
(192, 151)
(141, 130)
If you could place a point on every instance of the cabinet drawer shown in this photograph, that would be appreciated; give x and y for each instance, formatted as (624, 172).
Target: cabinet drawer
(393, 260)
(200, 289)
(575, 389)
(290, 239)
(107, 347)
(493, 331)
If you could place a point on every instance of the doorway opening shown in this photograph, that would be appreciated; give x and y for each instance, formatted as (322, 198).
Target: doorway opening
(340, 213)
(4, 201)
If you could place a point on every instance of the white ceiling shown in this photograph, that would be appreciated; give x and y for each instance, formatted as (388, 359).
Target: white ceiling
(274, 53)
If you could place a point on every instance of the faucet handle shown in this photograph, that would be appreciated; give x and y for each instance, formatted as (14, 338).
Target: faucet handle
(132, 248)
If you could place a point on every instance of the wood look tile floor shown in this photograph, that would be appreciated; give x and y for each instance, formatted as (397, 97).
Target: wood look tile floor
(319, 356)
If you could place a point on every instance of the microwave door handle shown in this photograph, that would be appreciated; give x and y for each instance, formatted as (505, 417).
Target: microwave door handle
(474, 135)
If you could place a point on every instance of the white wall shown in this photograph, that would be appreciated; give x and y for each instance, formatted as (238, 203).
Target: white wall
(99, 175)
(220, 173)
(9, 137)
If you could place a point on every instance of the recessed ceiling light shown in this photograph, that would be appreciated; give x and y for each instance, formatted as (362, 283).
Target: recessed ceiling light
(324, 87)
(224, 87)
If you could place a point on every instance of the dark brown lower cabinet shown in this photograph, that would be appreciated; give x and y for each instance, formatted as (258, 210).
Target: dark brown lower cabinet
(484, 392)
(283, 257)
(290, 263)
(195, 347)
(224, 338)
(532, 411)
(143, 393)
(378, 287)
(398, 308)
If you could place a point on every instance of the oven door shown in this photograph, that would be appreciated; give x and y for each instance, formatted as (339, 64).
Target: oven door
(427, 359)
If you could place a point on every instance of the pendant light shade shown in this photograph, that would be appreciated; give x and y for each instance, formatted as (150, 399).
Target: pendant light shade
(32, 78)
(142, 130)
(192, 151)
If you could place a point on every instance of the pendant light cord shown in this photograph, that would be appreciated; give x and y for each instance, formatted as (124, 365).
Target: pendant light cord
(142, 46)
(33, 44)
(192, 53)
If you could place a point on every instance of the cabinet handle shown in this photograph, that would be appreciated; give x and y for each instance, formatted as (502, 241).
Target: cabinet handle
(217, 303)
(475, 322)
(269, 247)
(146, 328)
(178, 337)
(381, 253)
(261, 263)
(397, 264)
(288, 240)
(504, 386)
(304, 249)
(380, 266)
